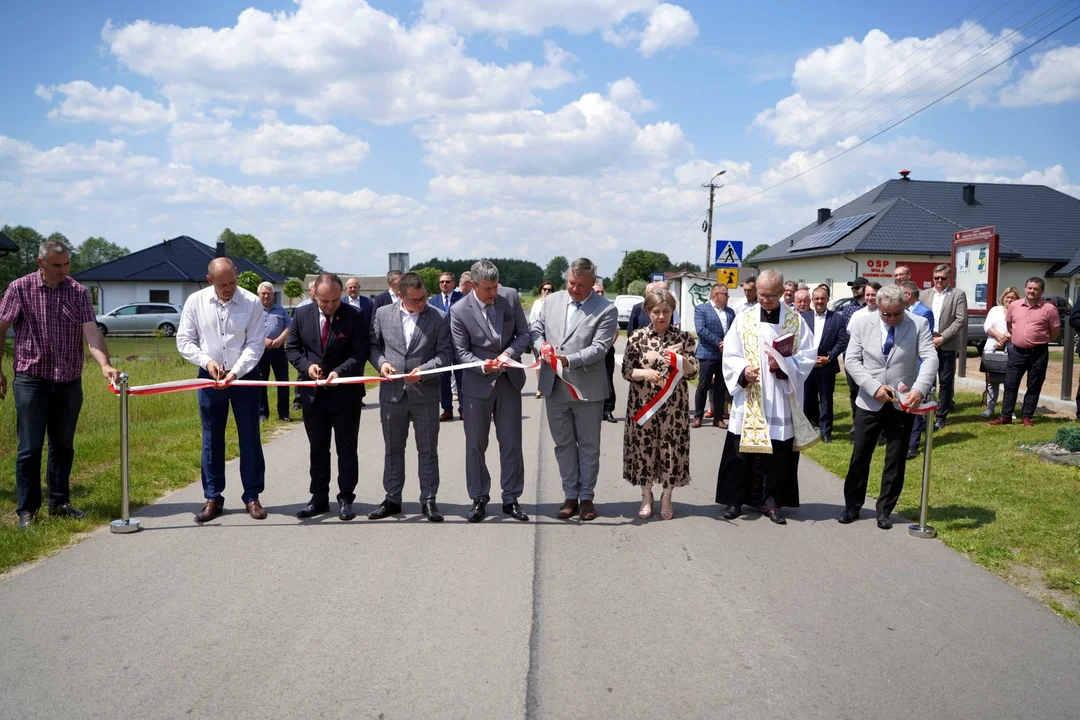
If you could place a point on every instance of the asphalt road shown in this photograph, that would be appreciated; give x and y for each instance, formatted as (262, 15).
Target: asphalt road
(620, 618)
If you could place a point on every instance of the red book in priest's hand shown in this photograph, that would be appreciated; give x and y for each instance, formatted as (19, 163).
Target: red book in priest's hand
(784, 345)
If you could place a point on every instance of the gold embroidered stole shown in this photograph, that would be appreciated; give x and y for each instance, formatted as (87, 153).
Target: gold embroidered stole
(755, 431)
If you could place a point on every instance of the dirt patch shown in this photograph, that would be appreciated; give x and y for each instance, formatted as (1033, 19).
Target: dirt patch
(1032, 582)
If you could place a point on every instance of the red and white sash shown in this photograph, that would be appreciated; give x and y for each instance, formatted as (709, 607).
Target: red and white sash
(675, 362)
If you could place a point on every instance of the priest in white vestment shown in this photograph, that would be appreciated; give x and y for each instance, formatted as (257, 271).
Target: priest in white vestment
(760, 465)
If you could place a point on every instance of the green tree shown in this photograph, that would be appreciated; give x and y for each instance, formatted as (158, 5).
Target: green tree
(518, 274)
(555, 273)
(636, 287)
(249, 281)
(96, 251)
(293, 288)
(16, 264)
(243, 245)
(686, 266)
(640, 265)
(759, 249)
(61, 237)
(293, 263)
(431, 278)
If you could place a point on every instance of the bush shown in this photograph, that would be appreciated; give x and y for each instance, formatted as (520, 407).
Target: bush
(1068, 437)
(637, 287)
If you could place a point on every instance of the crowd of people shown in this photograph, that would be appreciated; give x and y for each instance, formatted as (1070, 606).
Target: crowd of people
(775, 356)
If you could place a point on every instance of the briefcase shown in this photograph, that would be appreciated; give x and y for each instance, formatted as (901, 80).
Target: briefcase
(994, 362)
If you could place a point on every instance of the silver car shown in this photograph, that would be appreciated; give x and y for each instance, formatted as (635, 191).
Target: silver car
(626, 303)
(140, 319)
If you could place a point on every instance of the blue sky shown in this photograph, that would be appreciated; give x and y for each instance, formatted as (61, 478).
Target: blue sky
(511, 128)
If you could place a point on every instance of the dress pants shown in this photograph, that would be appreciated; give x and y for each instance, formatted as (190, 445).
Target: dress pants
(818, 392)
(1032, 361)
(446, 392)
(343, 420)
(895, 425)
(853, 393)
(710, 379)
(504, 405)
(274, 359)
(44, 407)
(575, 430)
(214, 414)
(395, 418)
(946, 371)
(609, 367)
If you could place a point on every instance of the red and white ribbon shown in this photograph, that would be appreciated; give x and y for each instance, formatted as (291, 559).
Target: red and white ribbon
(675, 362)
(557, 367)
(206, 383)
(924, 409)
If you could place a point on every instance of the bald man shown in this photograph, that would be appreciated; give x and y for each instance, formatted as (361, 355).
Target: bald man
(222, 331)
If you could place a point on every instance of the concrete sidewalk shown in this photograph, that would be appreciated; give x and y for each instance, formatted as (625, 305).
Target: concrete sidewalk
(694, 617)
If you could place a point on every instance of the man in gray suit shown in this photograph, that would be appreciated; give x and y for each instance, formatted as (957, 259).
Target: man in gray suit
(885, 350)
(949, 306)
(489, 325)
(576, 326)
(410, 336)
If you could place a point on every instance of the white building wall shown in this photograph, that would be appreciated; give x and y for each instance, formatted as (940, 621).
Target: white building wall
(113, 294)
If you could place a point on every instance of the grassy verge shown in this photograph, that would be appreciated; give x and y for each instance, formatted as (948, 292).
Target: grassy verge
(1002, 507)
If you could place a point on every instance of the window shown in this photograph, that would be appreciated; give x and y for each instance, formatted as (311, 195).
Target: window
(127, 310)
(159, 296)
(277, 297)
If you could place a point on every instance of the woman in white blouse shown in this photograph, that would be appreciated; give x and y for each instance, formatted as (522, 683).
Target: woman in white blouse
(546, 289)
(997, 337)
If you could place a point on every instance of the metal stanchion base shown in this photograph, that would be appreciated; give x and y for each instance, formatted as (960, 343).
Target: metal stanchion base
(122, 527)
(921, 532)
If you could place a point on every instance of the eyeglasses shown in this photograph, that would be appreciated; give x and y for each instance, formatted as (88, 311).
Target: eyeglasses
(444, 282)
(766, 296)
(898, 313)
(941, 277)
(545, 289)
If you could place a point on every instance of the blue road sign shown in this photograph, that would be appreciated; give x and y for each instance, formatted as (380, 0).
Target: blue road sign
(658, 277)
(728, 254)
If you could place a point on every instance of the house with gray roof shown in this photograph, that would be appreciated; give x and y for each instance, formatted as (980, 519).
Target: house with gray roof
(913, 222)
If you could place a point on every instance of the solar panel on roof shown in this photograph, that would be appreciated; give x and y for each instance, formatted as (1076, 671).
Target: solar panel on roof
(832, 232)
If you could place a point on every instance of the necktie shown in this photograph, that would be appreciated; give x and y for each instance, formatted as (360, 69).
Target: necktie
(326, 330)
(489, 311)
(889, 342)
(574, 314)
(446, 302)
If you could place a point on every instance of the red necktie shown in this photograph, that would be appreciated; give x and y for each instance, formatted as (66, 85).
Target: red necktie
(326, 331)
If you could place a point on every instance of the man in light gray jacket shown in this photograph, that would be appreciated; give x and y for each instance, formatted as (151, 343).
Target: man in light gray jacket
(885, 350)
(576, 327)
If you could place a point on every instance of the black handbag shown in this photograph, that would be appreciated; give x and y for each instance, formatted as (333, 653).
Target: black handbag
(994, 362)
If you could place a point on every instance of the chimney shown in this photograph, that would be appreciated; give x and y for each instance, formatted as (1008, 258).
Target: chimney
(969, 194)
(823, 215)
(904, 175)
(220, 249)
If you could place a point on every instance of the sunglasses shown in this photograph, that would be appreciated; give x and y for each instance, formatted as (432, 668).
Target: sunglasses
(545, 289)
(941, 277)
(444, 282)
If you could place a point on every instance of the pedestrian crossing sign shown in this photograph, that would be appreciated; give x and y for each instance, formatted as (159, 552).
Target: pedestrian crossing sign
(728, 254)
(728, 277)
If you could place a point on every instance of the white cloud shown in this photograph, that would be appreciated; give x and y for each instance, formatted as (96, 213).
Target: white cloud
(272, 148)
(1054, 78)
(331, 58)
(900, 76)
(122, 110)
(619, 21)
(626, 94)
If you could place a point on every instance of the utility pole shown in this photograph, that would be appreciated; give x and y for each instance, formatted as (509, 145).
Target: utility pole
(708, 226)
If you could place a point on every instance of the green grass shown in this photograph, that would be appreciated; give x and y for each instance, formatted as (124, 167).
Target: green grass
(1001, 506)
(165, 445)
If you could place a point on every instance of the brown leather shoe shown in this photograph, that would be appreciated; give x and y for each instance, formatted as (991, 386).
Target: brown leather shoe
(209, 511)
(255, 510)
(717, 422)
(567, 510)
(588, 510)
(1002, 420)
(695, 423)
(448, 415)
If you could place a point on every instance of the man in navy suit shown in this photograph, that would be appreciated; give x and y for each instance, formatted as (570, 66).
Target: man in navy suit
(354, 298)
(329, 340)
(447, 296)
(712, 321)
(390, 295)
(830, 336)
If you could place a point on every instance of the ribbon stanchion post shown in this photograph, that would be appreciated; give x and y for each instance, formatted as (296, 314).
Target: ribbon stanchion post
(922, 530)
(126, 524)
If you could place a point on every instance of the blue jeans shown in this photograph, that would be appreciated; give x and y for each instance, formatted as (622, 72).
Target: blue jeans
(214, 414)
(44, 407)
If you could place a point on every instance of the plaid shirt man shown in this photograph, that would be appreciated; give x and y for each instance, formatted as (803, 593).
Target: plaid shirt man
(48, 326)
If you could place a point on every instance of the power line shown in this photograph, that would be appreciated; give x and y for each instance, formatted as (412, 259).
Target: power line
(929, 105)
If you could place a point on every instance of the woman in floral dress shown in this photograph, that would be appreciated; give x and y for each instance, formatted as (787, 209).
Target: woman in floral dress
(659, 450)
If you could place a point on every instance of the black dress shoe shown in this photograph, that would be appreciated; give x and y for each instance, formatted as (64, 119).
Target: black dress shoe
(385, 510)
(66, 510)
(939, 424)
(26, 520)
(912, 452)
(431, 511)
(312, 509)
(514, 511)
(610, 417)
(345, 511)
(478, 511)
(884, 522)
(732, 512)
(881, 440)
(776, 517)
(848, 517)
(826, 438)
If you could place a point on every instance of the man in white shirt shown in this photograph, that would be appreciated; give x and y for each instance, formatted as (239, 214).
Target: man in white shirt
(749, 288)
(222, 331)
